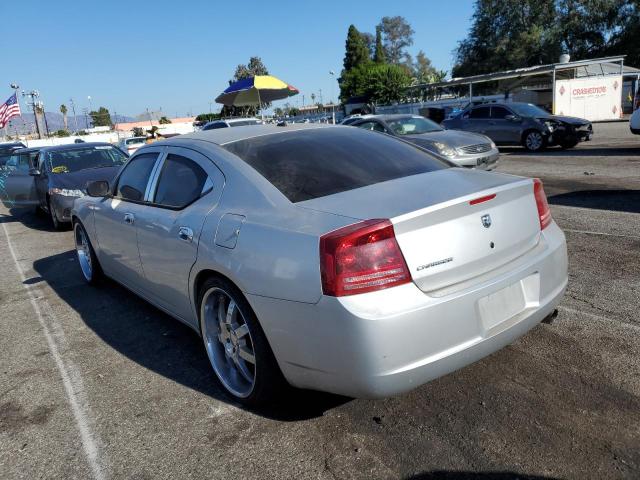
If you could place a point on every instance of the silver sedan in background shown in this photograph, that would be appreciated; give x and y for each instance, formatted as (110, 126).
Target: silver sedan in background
(325, 257)
(465, 149)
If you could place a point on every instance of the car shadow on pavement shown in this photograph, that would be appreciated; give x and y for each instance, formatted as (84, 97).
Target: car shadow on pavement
(29, 218)
(614, 200)
(461, 475)
(580, 151)
(154, 340)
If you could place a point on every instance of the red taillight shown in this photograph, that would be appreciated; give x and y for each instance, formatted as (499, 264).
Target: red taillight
(541, 202)
(361, 258)
(486, 198)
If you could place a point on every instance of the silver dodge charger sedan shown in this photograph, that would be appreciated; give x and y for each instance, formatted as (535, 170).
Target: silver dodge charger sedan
(326, 257)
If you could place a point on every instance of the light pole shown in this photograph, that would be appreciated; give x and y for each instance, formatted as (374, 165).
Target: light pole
(90, 106)
(333, 102)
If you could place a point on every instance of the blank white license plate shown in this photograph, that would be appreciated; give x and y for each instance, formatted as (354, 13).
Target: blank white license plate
(501, 305)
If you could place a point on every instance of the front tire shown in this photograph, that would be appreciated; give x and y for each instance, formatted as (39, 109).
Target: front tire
(57, 224)
(87, 259)
(236, 345)
(534, 141)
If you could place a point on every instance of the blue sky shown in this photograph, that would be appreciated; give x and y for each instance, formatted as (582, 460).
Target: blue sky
(178, 56)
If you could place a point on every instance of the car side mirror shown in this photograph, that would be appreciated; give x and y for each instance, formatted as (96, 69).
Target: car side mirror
(34, 172)
(512, 118)
(98, 188)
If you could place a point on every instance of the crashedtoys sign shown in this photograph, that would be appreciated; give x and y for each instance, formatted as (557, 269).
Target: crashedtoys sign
(595, 98)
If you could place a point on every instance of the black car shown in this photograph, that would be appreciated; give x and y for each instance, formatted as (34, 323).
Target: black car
(58, 175)
(522, 124)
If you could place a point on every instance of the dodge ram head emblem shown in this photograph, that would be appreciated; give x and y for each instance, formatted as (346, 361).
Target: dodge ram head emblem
(486, 220)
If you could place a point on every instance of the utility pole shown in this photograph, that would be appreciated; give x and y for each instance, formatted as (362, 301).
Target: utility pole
(333, 102)
(44, 114)
(33, 94)
(73, 109)
(85, 111)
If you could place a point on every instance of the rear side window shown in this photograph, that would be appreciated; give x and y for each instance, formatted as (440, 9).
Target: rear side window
(134, 178)
(375, 126)
(480, 112)
(307, 164)
(214, 126)
(181, 182)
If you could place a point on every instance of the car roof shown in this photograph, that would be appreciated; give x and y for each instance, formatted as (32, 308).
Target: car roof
(222, 136)
(75, 146)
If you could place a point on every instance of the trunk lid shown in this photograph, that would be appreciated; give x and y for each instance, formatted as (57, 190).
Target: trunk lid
(446, 240)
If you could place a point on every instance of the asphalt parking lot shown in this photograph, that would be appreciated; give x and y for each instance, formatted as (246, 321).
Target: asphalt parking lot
(95, 383)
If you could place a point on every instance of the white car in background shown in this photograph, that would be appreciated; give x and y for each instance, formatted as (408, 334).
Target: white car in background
(131, 144)
(231, 122)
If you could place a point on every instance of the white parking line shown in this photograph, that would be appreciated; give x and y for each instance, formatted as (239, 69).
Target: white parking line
(71, 378)
(588, 232)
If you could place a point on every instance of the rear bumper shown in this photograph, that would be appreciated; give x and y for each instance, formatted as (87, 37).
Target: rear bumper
(388, 342)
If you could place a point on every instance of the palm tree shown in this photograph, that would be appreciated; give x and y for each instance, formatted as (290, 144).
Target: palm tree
(63, 111)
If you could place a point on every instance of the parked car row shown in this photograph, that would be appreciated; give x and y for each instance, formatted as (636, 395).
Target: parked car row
(323, 257)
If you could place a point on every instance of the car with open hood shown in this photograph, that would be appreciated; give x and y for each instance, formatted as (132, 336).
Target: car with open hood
(57, 175)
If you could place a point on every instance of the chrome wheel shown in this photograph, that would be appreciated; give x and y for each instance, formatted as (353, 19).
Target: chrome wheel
(534, 141)
(83, 249)
(228, 342)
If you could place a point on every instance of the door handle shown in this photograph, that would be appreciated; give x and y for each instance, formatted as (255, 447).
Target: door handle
(186, 234)
(129, 218)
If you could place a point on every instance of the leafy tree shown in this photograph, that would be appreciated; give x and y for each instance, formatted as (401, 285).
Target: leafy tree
(356, 51)
(207, 117)
(100, 118)
(369, 42)
(378, 54)
(61, 133)
(164, 121)
(278, 112)
(293, 112)
(625, 39)
(63, 111)
(378, 83)
(138, 132)
(397, 35)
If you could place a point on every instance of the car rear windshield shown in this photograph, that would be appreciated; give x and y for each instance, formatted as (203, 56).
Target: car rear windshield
(65, 161)
(136, 140)
(307, 164)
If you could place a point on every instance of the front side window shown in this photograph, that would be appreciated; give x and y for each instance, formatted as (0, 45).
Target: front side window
(181, 182)
(499, 113)
(134, 178)
(73, 160)
(307, 164)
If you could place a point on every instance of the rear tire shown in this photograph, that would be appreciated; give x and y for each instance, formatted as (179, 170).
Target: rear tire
(89, 265)
(237, 347)
(534, 141)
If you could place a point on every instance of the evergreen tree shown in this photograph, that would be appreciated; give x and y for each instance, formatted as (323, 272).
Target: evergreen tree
(356, 52)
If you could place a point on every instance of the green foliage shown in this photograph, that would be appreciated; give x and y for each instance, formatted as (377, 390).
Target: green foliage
(278, 112)
(293, 112)
(507, 34)
(208, 117)
(378, 55)
(138, 132)
(100, 118)
(164, 121)
(61, 133)
(378, 83)
(63, 109)
(397, 35)
(356, 51)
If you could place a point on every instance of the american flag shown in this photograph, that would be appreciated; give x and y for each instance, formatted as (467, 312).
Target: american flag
(8, 110)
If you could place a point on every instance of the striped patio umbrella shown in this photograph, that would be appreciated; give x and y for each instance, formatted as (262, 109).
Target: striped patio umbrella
(256, 90)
